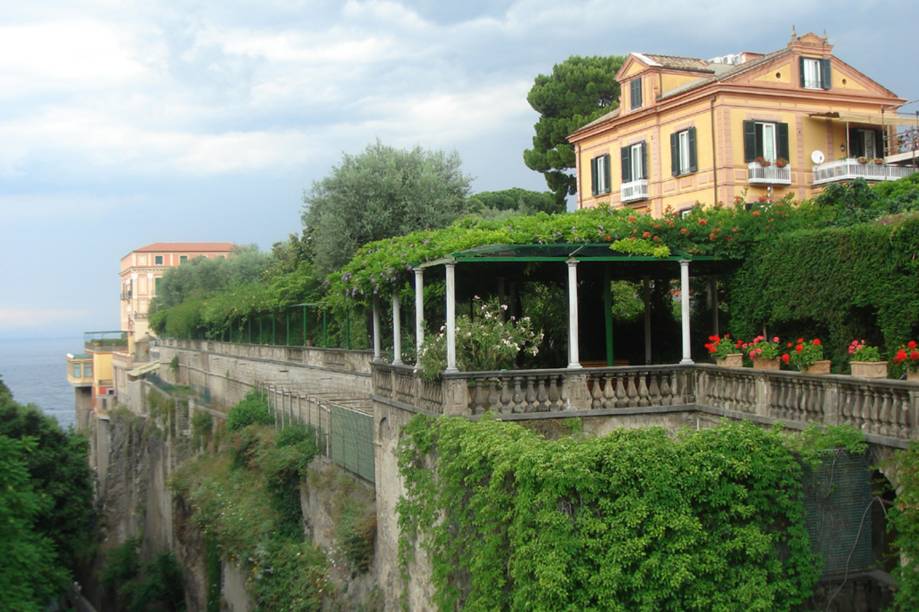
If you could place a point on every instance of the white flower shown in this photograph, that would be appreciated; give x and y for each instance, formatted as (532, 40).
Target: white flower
(503, 306)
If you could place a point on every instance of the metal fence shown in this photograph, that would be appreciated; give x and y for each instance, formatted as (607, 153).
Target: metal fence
(343, 426)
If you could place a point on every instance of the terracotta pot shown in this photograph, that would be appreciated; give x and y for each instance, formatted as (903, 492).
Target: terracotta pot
(912, 376)
(766, 364)
(869, 369)
(819, 367)
(734, 360)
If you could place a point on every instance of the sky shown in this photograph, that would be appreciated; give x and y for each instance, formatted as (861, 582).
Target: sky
(126, 123)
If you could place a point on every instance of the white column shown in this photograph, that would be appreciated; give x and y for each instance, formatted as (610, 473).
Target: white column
(716, 323)
(451, 317)
(419, 312)
(684, 311)
(574, 360)
(396, 331)
(376, 331)
(646, 298)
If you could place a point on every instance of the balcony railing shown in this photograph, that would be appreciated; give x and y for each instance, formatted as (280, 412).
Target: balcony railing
(887, 411)
(105, 340)
(850, 169)
(768, 175)
(634, 191)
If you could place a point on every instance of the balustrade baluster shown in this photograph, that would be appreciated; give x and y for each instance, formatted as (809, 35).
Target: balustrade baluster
(873, 412)
(654, 392)
(563, 392)
(621, 397)
(530, 395)
(631, 391)
(542, 395)
(884, 414)
(596, 394)
(554, 396)
(643, 399)
(609, 393)
(666, 393)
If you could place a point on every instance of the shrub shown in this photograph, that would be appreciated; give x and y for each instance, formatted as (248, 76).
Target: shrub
(288, 575)
(202, 423)
(904, 518)
(284, 466)
(253, 410)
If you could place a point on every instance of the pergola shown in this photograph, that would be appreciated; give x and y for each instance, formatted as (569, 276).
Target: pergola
(586, 259)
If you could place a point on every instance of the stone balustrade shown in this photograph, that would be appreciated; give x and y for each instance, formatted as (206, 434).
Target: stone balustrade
(342, 360)
(886, 410)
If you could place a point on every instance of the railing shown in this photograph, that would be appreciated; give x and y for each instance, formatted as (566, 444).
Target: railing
(768, 175)
(634, 191)
(887, 411)
(850, 169)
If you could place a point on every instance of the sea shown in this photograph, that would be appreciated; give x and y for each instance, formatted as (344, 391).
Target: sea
(35, 370)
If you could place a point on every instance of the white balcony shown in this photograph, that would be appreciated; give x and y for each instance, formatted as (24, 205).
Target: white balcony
(634, 191)
(768, 175)
(850, 169)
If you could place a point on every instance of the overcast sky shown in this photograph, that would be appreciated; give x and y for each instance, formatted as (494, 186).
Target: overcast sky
(125, 123)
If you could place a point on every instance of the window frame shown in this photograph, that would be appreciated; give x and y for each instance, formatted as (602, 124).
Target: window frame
(773, 130)
(635, 86)
(636, 161)
(600, 178)
(684, 165)
(157, 260)
(183, 259)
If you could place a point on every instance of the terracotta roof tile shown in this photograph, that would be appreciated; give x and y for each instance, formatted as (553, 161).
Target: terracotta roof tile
(676, 62)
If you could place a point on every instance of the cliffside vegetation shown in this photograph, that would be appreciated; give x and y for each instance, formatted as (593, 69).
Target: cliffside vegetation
(47, 523)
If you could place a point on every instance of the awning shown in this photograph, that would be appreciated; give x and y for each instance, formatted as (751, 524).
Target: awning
(143, 369)
(869, 118)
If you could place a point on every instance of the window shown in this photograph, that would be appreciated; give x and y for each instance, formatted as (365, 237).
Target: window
(815, 73)
(635, 92)
(634, 166)
(76, 370)
(683, 152)
(599, 174)
(866, 142)
(766, 139)
(88, 370)
(183, 259)
(158, 260)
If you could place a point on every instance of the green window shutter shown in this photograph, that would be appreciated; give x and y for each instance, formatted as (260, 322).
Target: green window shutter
(675, 153)
(879, 143)
(606, 173)
(693, 159)
(856, 142)
(593, 175)
(801, 70)
(626, 164)
(826, 80)
(749, 141)
(644, 160)
(758, 151)
(781, 134)
(635, 92)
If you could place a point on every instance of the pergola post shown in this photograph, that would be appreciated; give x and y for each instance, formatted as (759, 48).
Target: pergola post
(713, 288)
(376, 331)
(451, 316)
(396, 330)
(646, 298)
(419, 312)
(684, 311)
(574, 360)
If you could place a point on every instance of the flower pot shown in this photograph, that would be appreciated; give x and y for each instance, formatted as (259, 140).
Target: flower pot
(766, 364)
(869, 369)
(912, 376)
(734, 360)
(818, 367)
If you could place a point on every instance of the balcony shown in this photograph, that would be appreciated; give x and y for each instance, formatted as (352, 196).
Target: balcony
(105, 341)
(634, 191)
(80, 370)
(851, 169)
(768, 175)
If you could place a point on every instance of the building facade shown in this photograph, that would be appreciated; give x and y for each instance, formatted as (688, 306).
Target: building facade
(748, 125)
(142, 269)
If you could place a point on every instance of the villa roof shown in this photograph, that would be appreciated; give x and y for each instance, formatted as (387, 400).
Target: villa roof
(187, 247)
(676, 62)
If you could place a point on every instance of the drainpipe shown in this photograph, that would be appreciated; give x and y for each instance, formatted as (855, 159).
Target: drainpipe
(714, 156)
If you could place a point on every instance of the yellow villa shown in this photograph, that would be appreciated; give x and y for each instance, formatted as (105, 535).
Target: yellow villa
(748, 125)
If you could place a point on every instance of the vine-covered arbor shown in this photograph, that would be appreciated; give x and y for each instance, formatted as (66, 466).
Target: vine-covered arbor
(586, 270)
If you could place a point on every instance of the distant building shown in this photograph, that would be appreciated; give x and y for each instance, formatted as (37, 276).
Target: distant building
(750, 125)
(142, 269)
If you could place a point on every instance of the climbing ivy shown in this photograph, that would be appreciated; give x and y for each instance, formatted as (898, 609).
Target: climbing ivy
(634, 520)
(904, 517)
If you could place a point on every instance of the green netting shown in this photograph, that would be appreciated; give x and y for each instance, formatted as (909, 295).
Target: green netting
(352, 441)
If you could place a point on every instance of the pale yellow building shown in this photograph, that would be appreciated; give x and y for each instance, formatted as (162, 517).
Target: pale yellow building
(748, 125)
(142, 269)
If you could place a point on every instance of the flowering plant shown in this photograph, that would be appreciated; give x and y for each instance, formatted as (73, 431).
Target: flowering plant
(762, 161)
(721, 347)
(802, 355)
(487, 341)
(860, 351)
(907, 355)
(781, 162)
(761, 348)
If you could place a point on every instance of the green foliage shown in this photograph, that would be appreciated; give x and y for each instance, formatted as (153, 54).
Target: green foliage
(59, 474)
(214, 569)
(640, 246)
(516, 199)
(30, 573)
(814, 443)
(157, 585)
(904, 518)
(121, 565)
(857, 202)
(202, 424)
(860, 281)
(579, 90)
(251, 410)
(288, 575)
(355, 534)
(284, 466)
(489, 341)
(712, 519)
(802, 355)
(379, 193)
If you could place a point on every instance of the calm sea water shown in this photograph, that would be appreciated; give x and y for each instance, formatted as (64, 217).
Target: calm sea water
(35, 370)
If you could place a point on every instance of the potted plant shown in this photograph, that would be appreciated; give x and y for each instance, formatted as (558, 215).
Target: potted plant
(764, 353)
(879, 161)
(762, 161)
(725, 352)
(781, 162)
(865, 361)
(907, 356)
(861, 159)
(807, 357)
